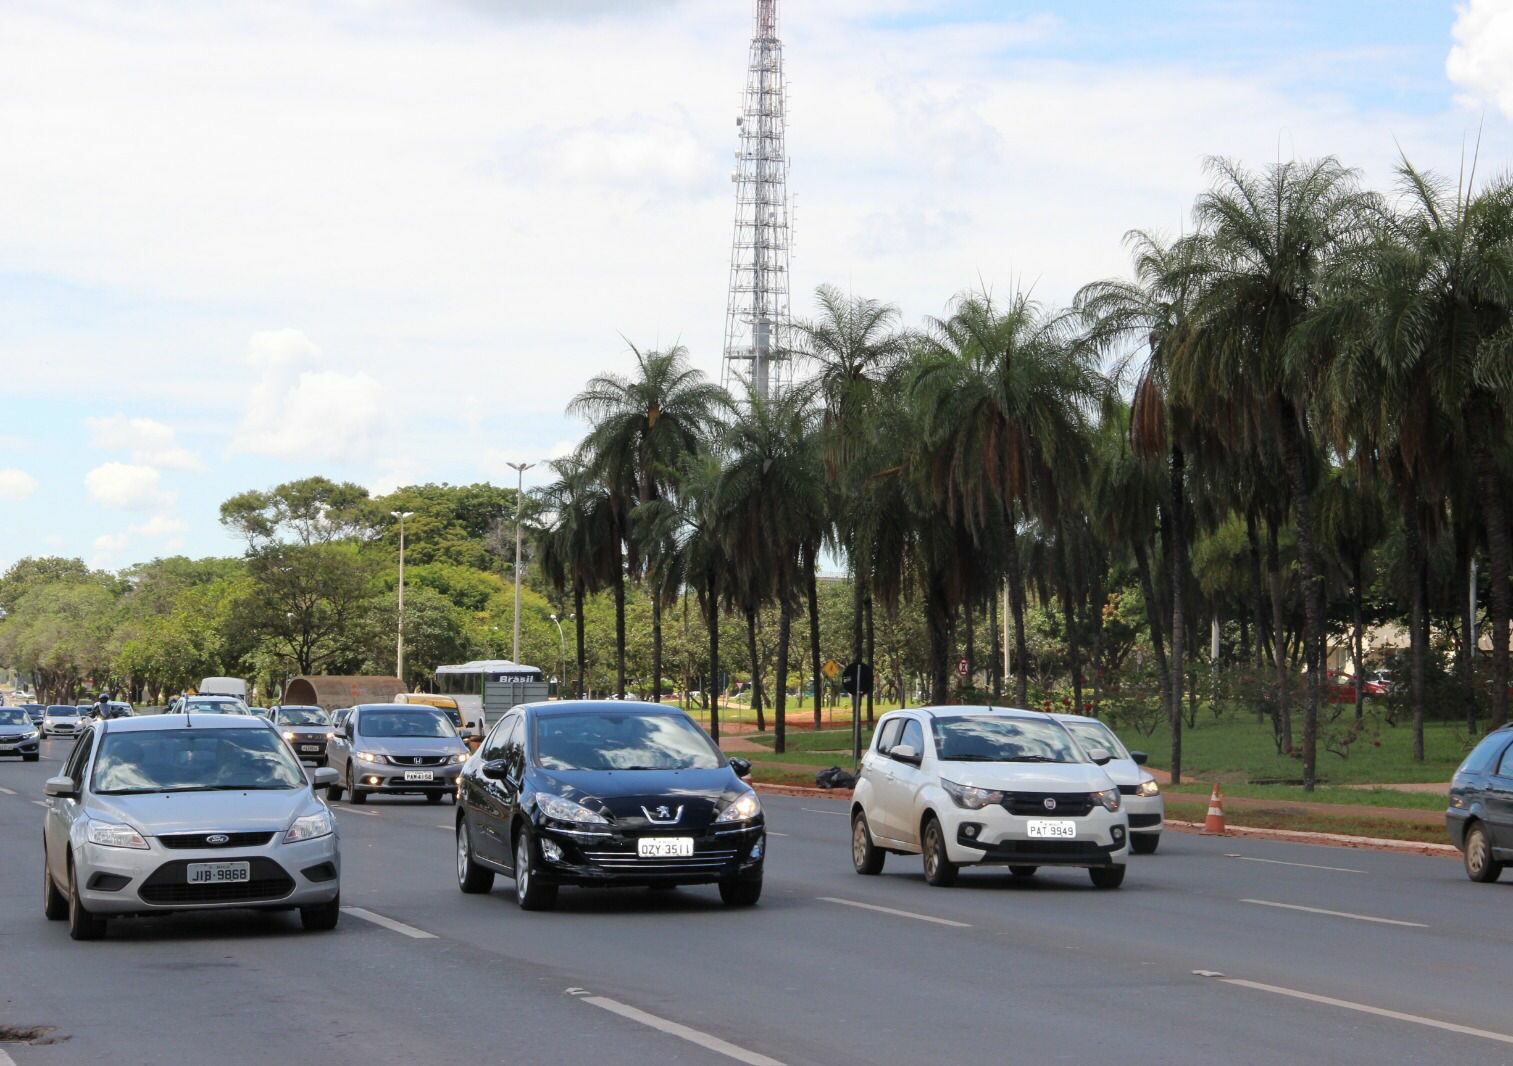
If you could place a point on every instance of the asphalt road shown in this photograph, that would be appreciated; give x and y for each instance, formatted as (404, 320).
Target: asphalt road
(1209, 953)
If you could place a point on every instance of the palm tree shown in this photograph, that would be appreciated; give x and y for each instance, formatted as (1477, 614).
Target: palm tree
(577, 545)
(644, 426)
(1351, 523)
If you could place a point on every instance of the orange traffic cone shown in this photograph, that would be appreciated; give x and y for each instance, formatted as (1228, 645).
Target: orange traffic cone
(1213, 825)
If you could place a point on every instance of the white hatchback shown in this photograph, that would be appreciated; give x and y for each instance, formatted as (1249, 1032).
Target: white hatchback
(980, 785)
(1143, 803)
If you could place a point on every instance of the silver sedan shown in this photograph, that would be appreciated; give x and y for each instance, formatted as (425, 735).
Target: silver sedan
(186, 812)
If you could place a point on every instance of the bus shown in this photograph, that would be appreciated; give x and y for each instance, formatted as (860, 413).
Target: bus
(465, 684)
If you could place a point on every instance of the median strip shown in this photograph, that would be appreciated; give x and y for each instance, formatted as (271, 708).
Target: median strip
(895, 913)
(1335, 914)
(389, 923)
(694, 1036)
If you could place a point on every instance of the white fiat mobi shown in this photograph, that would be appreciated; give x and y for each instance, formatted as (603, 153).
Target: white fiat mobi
(981, 785)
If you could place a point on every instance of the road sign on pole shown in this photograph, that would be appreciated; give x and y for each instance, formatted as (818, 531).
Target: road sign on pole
(961, 667)
(831, 669)
(856, 679)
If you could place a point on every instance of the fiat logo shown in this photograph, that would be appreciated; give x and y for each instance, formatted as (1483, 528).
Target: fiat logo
(217, 838)
(1050, 803)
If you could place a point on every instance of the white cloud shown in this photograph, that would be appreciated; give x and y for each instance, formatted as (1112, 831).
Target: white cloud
(297, 413)
(1481, 59)
(108, 548)
(160, 526)
(150, 442)
(128, 486)
(16, 485)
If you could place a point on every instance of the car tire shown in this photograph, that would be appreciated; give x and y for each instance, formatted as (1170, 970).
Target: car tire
(940, 871)
(354, 794)
(1024, 871)
(530, 892)
(1480, 866)
(54, 903)
(433, 797)
(322, 917)
(1144, 843)
(30, 758)
(471, 878)
(866, 856)
(1106, 876)
(741, 893)
(81, 924)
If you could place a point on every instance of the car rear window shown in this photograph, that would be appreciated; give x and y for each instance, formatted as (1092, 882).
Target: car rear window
(1480, 759)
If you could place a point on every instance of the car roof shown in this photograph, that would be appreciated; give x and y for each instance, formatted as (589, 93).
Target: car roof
(1060, 717)
(298, 707)
(617, 706)
(980, 711)
(418, 707)
(149, 723)
(62, 707)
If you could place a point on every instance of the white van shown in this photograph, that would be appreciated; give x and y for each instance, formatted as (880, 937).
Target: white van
(224, 686)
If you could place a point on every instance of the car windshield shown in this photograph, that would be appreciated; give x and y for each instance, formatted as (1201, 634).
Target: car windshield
(13, 716)
(992, 739)
(1094, 734)
(303, 716)
(610, 741)
(194, 760)
(215, 707)
(416, 723)
(63, 712)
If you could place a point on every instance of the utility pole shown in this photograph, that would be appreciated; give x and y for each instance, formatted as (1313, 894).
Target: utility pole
(520, 469)
(561, 652)
(399, 646)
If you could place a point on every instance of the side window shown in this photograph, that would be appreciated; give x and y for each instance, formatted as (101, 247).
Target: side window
(1484, 756)
(887, 736)
(79, 756)
(914, 736)
(1505, 768)
(514, 747)
(493, 747)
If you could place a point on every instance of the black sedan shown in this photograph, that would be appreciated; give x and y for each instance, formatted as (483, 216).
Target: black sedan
(603, 794)
(1480, 816)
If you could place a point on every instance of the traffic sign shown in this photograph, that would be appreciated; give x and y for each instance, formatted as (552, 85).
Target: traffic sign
(961, 667)
(831, 669)
(856, 679)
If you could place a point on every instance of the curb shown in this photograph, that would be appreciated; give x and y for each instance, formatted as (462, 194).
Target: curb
(1338, 840)
(803, 792)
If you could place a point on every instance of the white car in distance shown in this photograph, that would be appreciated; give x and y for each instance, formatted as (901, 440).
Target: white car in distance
(980, 785)
(1143, 802)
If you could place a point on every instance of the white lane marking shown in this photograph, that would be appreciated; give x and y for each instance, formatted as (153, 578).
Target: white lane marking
(389, 923)
(354, 810)
(6, 1060)
(895, 913)
(772, 834)
(447, 827)
(1305, 865)
(1335, 914)
(682, 1032)
(40, 803)
(812, 810)
(7, 791)
(1364, 1008)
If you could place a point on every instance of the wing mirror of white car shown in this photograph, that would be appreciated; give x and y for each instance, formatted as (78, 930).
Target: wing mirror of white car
(323, 777)
(62, 786)
(347, 730)
(1100, 756)
(1138, 757)
(904, 753)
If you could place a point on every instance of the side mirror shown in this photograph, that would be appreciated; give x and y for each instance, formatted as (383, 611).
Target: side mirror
(323, 777)
(904, 753)
(347, 730)
(742, 767)
(62, 787)
(496, 769)
(1100, 756)
(1138, 757)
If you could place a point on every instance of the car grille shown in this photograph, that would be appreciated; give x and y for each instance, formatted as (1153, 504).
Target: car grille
(700, 860)
(168, 884)
(1032, 804)
(420, 760)
(198, 842)
(1144, 821)
(1129, 790)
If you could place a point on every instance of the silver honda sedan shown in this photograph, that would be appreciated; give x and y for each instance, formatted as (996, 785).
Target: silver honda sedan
(187, 812)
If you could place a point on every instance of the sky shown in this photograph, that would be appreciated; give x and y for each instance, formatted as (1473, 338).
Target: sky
(387, 240)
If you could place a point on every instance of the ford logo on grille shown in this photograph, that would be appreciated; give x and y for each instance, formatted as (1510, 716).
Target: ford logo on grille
(217, 838)
(1050, 803)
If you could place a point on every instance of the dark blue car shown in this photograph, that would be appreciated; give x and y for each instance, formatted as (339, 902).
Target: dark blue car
(1480, 816)
(605, 794)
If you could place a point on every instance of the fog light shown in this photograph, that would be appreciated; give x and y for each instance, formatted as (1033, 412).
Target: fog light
(550, 851)
(756, 849)
(969, 830)
(373, 779)
(1118, 833)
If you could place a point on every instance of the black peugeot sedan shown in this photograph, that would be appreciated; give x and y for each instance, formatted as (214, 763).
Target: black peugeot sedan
(604, 794)
(1480, 815)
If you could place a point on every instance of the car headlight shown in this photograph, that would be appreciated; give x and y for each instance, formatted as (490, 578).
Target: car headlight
(113, 835)
(460, 758)
(970, 796)
(29, 736)
(1108, 798)
(369, 756)
(564, 810)
(744, 809)
(1148, 788)
(309, 827)
(289, 734)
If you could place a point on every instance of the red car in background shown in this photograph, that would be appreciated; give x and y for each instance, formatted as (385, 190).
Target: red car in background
(1341, 687)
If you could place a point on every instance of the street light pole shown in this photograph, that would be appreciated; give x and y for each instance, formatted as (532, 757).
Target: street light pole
(561, 655)
(399, 646)
(520, 469)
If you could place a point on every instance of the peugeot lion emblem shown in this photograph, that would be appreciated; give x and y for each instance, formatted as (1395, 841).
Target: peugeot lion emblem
(662, 815)
(1050, 803)
(217, 838)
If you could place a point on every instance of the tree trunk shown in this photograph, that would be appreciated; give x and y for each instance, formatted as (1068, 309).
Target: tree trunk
(1264, 646)
(579, 623)
(938, 621)
(780, 690)
(1095, 612)
(1179, 624)
(1357, 641)
(969, 616)
(1313, 590)
(1278, 646)
(619, 583)
(712, 614)
(656, 645)
(1495, 517)
(1152, 615)
(756, 669)
(1016, 607)
(995, 660)
(811, 580)
(871, 650)
(1069, 610)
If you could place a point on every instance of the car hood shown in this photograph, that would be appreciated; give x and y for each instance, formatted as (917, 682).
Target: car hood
(410, 745)
(16, 730)
(623, 794)
(1126, 772)
(1029, 777)
(158, 813)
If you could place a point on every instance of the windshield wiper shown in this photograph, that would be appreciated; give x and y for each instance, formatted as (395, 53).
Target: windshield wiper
(194, 788)
(1034, 758)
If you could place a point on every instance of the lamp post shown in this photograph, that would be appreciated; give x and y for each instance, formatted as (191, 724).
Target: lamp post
(561, 653)
(520, 469)
(399, 645)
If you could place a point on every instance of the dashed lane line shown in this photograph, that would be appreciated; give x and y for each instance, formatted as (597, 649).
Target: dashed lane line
(694, 1036)
(1304, 865)
(896, 913)
(6, 792)
(389, 923)
(1335, 914)
(40, 803)
(813, 810)
(354, 810)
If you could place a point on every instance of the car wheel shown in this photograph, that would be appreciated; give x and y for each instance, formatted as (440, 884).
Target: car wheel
(333, 791)
(433, 797)
(1024, 871)
(81, 924)
(530, 892)
(741, 893)
(471, 878)
(1106, 876)
(30, 758)
(1480, 866)
(866, 856)
(54, 903)
(1144, 843)
(939, 870)
(322, 916)
(354, 794)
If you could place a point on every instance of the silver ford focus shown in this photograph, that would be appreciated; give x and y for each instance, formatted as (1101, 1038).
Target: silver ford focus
(187, 812)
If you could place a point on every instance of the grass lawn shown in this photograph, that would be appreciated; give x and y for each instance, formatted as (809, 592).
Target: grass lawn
(1354, 797)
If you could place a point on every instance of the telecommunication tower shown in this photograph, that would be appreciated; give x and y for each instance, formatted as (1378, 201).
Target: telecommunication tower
(756, 316)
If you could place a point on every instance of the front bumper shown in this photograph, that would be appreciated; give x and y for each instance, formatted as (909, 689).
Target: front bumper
(609, 858)
(1147, 814)
(309, 749)
(1455, 825)
(993, 835)
(60, 730)
(372, 777)
(23, 747)
(120, 881)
